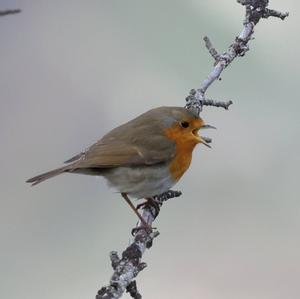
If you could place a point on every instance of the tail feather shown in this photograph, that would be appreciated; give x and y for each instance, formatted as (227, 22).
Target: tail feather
(47, 175)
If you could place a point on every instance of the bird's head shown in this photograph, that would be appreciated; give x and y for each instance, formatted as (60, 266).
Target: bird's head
(182, 126)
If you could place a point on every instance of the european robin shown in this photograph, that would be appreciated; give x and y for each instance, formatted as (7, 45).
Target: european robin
(143, 157)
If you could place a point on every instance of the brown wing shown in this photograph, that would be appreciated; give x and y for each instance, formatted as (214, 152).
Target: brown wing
(107, 155)
(138, 142)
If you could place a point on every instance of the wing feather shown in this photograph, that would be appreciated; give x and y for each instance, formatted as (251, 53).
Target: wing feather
(138, 142)
(114, 154)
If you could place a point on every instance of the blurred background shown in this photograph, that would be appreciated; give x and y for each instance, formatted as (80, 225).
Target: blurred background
(71, 71)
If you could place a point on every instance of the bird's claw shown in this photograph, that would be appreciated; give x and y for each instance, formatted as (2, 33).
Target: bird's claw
(150, 202)
(148, 229)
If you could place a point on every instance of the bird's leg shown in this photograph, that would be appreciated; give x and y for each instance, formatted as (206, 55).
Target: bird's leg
(150, 202)
(144, 223)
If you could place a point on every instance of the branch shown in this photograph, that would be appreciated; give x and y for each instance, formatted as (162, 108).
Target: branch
(255, 10)
(9, 12)
(130, 265)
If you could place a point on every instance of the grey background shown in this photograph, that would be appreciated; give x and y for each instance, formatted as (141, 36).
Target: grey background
(71, 71)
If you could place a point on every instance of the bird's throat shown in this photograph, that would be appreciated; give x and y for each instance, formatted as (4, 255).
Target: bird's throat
(183, 156)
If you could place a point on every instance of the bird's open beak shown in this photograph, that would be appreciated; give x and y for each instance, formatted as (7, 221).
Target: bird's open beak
(205, 140)
(201, 139)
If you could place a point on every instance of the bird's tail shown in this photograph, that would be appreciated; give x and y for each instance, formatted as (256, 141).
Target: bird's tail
(47, 175)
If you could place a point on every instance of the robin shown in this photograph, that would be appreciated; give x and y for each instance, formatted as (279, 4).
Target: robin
(143, 157)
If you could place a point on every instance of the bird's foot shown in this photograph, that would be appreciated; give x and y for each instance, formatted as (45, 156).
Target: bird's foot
(149, 229)
(152, 204)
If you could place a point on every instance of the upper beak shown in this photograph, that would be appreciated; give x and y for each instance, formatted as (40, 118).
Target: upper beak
(208, 127)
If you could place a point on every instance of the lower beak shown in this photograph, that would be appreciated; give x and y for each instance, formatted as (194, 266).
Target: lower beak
(204, 141)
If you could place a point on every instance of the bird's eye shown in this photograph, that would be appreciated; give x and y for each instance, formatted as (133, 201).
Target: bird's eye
(184, 124)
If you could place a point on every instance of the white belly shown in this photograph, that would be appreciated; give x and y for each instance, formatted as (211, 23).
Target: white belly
(140, 182)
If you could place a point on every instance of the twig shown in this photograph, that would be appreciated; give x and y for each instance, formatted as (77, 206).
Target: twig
(208, 102)
(275, 13)
(255, 10)
(9, 12)
(129, 266)
(213, 52)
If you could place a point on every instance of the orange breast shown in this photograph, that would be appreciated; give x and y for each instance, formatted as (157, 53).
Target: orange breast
(180, 163)
(185, 144)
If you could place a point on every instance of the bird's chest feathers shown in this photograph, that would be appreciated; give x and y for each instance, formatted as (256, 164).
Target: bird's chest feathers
(181, 162)
(183, 156)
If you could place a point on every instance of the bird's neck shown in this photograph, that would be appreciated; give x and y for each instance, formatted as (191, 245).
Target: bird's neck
(182, 160)
(183, 156)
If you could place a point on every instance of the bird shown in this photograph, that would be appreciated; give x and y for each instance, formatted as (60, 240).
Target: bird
(142, 158)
